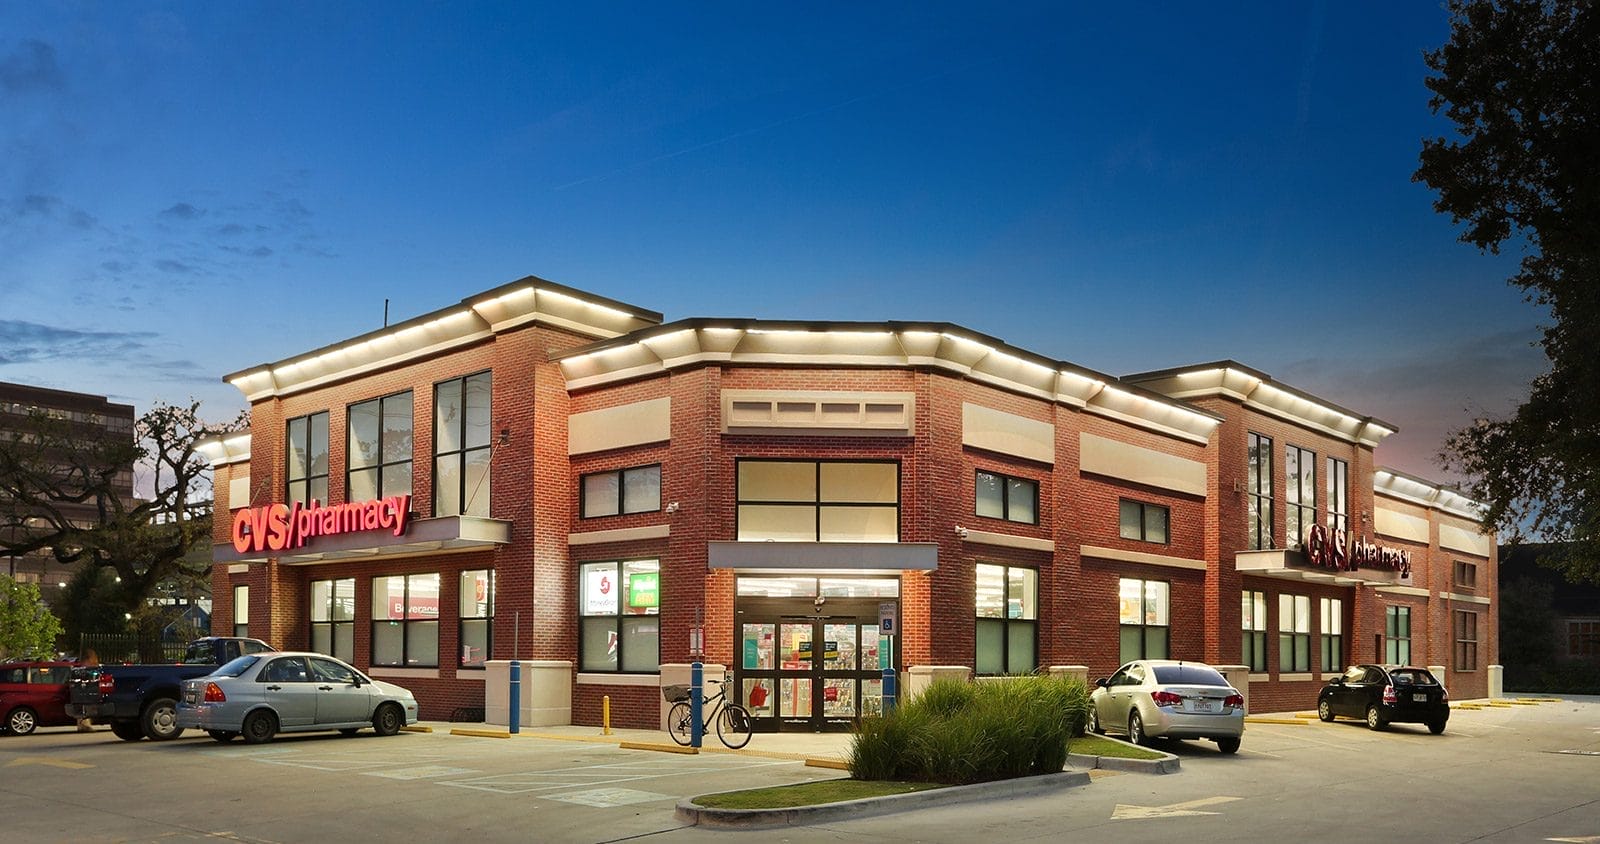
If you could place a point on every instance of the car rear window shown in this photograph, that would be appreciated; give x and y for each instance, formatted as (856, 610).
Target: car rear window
(237, 666)
(1188, 675)
(1411, 677)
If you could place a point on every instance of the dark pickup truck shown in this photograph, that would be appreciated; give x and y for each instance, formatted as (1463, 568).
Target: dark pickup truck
(140, 701)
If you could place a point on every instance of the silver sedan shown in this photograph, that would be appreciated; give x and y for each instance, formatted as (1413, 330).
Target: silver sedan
(260, 695)
(1170, 699)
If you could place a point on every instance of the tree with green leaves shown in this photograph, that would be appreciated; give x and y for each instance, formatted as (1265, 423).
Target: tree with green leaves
(28, 629)
(52, 470)
(1520, 82)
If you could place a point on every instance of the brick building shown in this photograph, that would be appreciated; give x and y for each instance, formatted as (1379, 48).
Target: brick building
(546, 474)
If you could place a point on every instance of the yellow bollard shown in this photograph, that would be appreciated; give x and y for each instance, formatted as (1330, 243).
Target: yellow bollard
(605, 715)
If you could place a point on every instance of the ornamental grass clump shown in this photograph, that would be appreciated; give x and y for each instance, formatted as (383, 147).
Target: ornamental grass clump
(956, 732)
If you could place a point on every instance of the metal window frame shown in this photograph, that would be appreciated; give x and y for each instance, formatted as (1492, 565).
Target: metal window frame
(459, 454)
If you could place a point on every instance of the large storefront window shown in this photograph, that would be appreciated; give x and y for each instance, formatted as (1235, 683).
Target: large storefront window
(461, 446)
(1332, 611)
(1466, 640)
(1003, 497)
(1258, 492)
(405, 620)
(1253, 611)
(818, 501)
(307, 453)
(1397, 635)
(241, 610)
(1144, 607)
(1338, 494)
(619, 604)
(379, 448)
(1300, 494)
(1007, 627)
(1294, 633)
(333, 618)
(476, 614)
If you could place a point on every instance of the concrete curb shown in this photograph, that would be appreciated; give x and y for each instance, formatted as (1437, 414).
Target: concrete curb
(1167, 764)
(690, 813)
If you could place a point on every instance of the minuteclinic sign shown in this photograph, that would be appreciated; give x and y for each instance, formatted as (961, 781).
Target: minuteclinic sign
(283, 527)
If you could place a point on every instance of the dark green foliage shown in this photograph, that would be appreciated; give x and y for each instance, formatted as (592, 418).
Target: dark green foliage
(1520, 82)
(959, 733)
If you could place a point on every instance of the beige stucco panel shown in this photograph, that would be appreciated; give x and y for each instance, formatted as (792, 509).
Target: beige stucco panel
(1104, 456)
(1468, 541)
(1398, 525)
(239, 492)
(1007, 433)
(617, 427)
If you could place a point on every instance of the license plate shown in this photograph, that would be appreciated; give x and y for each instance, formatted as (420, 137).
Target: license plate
(1207, 706)
(1419, 697)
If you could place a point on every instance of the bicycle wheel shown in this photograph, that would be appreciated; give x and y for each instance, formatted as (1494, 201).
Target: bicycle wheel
(733, 726)
(680, 723)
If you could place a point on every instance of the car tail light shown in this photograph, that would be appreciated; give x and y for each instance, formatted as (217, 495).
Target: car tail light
(214, 694)
(1444, 694)
(1235, 701)
(1388, 694)
(106, 684)
(1166, 698)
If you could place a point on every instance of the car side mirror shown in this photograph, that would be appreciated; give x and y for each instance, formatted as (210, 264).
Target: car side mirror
(1102, 683)
(1338, 681)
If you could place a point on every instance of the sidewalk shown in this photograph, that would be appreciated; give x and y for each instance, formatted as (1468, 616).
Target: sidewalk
(801, 746)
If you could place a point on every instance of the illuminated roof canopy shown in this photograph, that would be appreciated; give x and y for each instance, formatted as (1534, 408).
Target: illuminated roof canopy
(1396, 484)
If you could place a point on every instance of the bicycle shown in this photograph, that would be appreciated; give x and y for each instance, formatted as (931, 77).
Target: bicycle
(732, 720)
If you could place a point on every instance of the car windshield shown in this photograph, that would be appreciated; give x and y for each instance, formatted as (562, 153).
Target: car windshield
(1188, 675)
(237, 667)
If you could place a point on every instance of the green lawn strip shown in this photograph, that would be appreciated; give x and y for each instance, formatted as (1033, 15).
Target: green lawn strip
(1097, 746)
(809, 794)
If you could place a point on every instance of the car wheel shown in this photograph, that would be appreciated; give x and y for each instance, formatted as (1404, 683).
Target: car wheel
(388, 719)
(160, 719)
(1094, 722)
(1324, 711)
(1375, 720)
(1229, 746)
(22, 721)
(1136, 730)
(1436, 727)
(127, 730)
(349, 731)
(260, 726)
(223, 736)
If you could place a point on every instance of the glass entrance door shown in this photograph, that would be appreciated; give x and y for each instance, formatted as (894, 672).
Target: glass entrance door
(809, 665)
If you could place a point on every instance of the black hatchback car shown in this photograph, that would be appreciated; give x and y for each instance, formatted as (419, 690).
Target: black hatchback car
(1386, 694)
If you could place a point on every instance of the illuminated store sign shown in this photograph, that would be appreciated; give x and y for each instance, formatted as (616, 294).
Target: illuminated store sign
(283, 527)
(1329, 552)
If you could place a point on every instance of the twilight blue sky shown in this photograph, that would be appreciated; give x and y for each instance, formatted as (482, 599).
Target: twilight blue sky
(188, 189)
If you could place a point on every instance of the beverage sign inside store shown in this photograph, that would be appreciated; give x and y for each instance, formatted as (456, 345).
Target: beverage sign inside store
(283, 527)
(1330, 550)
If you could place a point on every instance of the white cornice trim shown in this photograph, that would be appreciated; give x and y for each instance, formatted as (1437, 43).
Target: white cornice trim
(1259, 392)
(1413, 591)
(1118, 554)
(224, 449)
(1468, 599)
(1392, 483)
(884, 346)
(1006, 540)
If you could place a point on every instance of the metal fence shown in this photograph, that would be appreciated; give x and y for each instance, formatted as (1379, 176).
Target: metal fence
(122, 647)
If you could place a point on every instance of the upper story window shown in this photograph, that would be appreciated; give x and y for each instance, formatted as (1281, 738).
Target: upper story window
(1338, 494)
(1258, 492)
(1300, 494)
(818, 501)
(379, 450)
(1141, 521)
(307, 453)
(461, 446)
(1005, 497)
(636, 490)
(1466, 575)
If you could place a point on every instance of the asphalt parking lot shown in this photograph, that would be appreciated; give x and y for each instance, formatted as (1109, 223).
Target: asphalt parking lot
(1517, 773)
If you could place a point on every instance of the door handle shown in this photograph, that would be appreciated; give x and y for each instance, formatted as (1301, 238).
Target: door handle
(324, 688)
(274, 688)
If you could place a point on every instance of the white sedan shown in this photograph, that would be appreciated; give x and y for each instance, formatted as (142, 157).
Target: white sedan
(1166, 698)
(260, 695)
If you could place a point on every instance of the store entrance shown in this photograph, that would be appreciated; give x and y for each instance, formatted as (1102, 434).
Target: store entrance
(811, 665)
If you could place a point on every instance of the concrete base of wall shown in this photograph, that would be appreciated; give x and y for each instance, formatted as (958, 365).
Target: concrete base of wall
(919, 677)
(1497, 681)
(546, 693)
(677, 674)
(1238, 676)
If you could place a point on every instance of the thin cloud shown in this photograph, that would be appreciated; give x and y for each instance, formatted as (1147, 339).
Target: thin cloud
(167, 265)
(29, 67)
(31, 342)
(54, 208)
(183, 211)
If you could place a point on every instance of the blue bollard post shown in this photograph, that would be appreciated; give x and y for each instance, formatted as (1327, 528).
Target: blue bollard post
(516, 695)
(696, 725)
(888, 691)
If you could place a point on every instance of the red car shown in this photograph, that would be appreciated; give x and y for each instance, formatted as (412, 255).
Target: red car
(32, 695)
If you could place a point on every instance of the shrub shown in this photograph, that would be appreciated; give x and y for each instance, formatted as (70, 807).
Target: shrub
(956, 732)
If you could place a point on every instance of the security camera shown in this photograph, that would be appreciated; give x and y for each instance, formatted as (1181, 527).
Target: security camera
(673, 507)
(961, 532)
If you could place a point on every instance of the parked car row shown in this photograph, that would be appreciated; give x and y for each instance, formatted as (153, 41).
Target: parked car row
(1160, 698)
